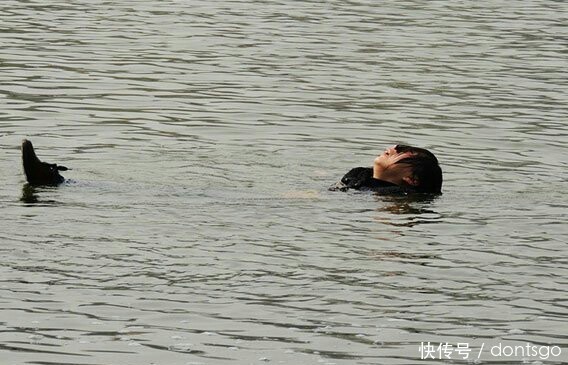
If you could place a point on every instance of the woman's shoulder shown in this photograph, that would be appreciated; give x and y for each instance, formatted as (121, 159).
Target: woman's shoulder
(353, 179)
(357, 175)
(361, 178)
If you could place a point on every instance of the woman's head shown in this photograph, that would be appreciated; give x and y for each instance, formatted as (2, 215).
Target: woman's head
(409, 166)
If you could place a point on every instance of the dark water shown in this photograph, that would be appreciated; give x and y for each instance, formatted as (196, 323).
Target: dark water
(197, 228)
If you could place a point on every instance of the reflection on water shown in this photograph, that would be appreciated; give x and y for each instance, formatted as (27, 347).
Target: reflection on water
(203, 137)
(29, 195)
(33, 195)
(413, 209)
(408, 204)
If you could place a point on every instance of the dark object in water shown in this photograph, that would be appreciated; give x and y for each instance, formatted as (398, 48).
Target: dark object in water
(361, 178)
(37, 172)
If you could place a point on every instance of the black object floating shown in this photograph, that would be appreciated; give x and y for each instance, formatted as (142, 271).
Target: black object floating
(37, 172)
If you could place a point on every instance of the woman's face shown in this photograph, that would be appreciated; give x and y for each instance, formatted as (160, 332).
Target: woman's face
(386, 167)
(390, 157)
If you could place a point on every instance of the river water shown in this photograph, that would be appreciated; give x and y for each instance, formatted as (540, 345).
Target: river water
(196, 227)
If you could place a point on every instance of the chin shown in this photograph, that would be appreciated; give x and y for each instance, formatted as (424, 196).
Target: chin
(378, 161)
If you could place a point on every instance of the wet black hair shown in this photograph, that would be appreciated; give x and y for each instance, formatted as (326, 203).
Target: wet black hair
(425, 168)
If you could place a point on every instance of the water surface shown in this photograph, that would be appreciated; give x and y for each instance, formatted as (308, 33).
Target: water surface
(197, 227)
